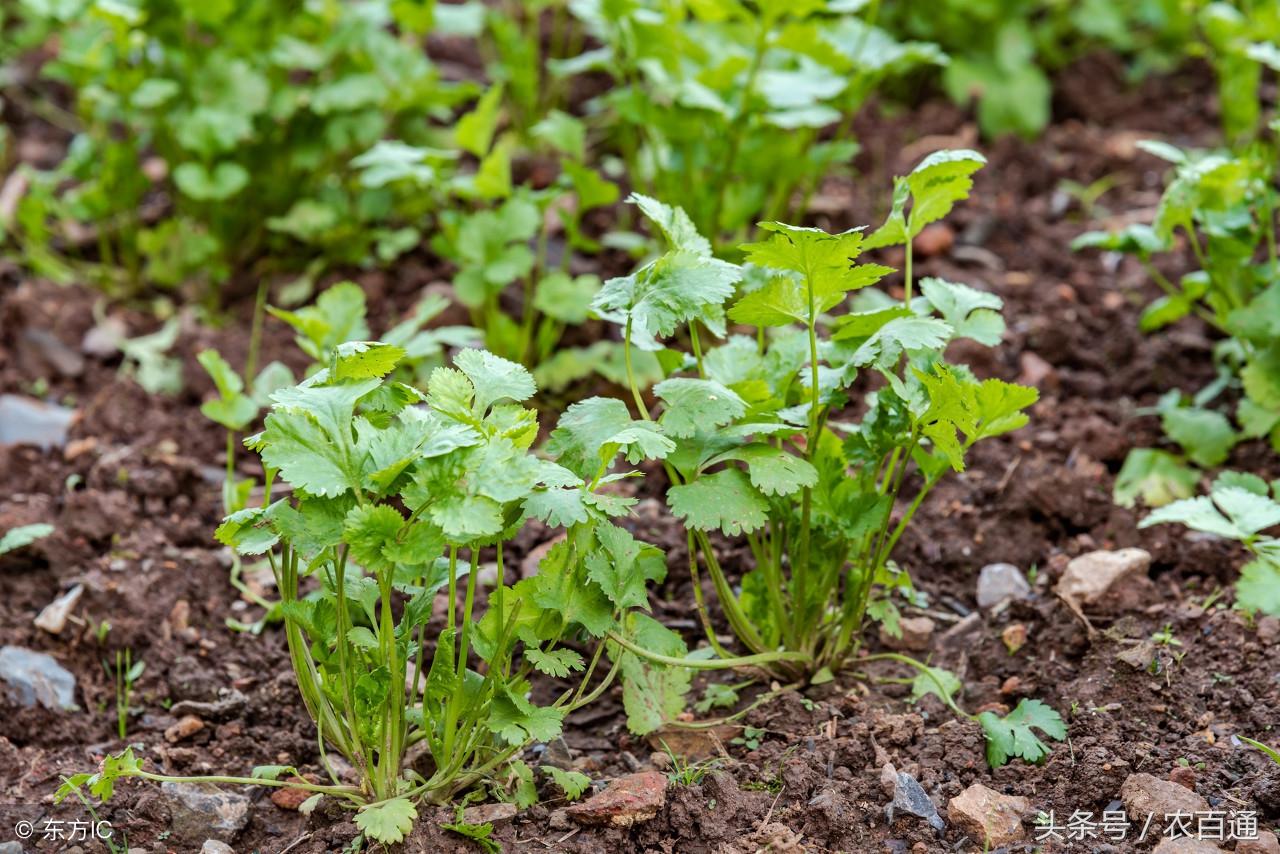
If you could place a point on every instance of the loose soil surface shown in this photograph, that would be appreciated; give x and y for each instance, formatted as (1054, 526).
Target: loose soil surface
(135, 497)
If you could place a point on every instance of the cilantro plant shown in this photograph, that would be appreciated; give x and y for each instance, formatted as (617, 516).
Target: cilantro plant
(1003, 52)
(1239, 507)
(762, 449)
(718, 106)
(395, 498)
(210, 132)
(1223, 205)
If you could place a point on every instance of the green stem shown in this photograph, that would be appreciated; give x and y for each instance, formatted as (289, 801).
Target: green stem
(631, 375)
(255, 332)
(756, 660)
(928, 673)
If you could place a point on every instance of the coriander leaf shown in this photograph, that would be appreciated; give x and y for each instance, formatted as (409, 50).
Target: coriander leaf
(592, 432)
(772, 470)
(494, 377)
(1259, 587)
(971, 313)
(938, 182)
(557, 662)
(695, 405)
(780, 302)
(621, 565)
(1012, 736)
(1157, 477)
(358, 360)
(1206, 435)
(938, 681)
(387, 822)
(725, 500)
(652, 694)
(571, 783)
(676, 288)
(674, 223)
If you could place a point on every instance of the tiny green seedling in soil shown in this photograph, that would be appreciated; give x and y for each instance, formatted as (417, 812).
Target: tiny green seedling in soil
(126, 673)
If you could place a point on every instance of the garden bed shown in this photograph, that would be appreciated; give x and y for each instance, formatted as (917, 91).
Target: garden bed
(134, 493)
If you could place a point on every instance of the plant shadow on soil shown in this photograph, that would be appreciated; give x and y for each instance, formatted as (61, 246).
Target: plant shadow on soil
(135, 497)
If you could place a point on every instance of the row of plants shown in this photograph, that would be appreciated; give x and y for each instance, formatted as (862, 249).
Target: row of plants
(381, 498)
(210, 140)
(1219, 207)
(787, 401)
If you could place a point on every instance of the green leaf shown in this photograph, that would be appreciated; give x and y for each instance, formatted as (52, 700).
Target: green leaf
(1206, 435)
(622, 565)
(772, 470)
(495, 378)
(674, 223)
(23, 536)
(474, 131)
(1259, 587)
(780, 302)
(1157, 477)
(562, 132)
(594, 431)
(971, 313)
(652, 694)
(478, 833)
(724, 500)
(571, 783)
(557, 663)
(938, 182)
(519, 721)
(1012, 735)
(388, 822)
(359, 360)
(226, 179)
(674, 289)
(695, 405)
(938, 681)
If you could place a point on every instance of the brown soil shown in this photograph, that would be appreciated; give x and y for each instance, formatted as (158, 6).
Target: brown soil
(135, 496)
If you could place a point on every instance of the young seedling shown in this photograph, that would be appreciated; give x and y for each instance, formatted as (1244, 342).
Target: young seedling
(762, 452)
(125, 673)
(396, 494)
(1239, 507)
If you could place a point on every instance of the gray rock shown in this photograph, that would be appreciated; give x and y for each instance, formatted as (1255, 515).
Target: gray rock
(908, 797)
(11, 848)
(27, 421)
(198, 813)
(1106, 581)
(34, 677)
(53, 352)
(213, 846)
(1000, 581)
(489, 813)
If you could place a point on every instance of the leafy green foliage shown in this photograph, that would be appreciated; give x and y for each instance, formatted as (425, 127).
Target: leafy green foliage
(389, 487)
(1013, 736)
(387, 822)
(1239, 507)
(250, 105)
(572, 783)
(1224, 205)
(756, 451)
(1003, 52)
(735, 95)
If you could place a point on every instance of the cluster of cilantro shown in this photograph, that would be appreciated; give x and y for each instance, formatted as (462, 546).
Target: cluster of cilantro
(1222, 204)
(213, 103)
(718, 107)
(758, 441)
(395, 497)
